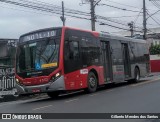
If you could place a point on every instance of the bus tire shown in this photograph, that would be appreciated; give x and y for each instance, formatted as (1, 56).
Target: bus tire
(92, 82)
(136, 75)
(53, 95)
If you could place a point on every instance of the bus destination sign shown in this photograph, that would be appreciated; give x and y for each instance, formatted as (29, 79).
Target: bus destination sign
(38, 35)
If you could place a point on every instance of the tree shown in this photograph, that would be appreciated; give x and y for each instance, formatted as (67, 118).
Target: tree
(155, 49)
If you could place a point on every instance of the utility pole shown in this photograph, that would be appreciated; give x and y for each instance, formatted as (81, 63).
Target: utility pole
(93, 20)
(131, 26)
(93, 4)
(62, 17)
(144, 20)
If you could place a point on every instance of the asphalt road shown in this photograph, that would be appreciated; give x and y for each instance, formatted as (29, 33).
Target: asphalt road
(142, 97)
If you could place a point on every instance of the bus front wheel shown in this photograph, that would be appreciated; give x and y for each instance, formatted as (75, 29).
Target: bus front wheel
(53, 94)
(92, 83)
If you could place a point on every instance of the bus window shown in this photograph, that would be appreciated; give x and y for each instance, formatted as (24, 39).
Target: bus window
(74, 50)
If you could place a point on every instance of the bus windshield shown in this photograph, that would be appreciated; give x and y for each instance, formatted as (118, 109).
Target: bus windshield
(39, 55)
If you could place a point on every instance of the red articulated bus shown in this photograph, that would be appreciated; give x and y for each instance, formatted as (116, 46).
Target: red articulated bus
(65, 59)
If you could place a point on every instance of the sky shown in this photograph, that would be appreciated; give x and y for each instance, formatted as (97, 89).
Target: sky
(15, 20)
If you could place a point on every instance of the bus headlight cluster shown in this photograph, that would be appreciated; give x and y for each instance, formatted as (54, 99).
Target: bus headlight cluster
(57, 75)
(18, 82)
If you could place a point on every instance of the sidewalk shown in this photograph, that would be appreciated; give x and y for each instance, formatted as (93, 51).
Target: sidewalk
(154, 74)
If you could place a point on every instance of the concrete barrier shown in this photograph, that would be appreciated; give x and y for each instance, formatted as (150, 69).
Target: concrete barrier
(155, 63)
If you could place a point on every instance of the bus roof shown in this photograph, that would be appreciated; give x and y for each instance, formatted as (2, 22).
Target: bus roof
(111, 36)
(95, 33)
(117, 37)
(40, 30)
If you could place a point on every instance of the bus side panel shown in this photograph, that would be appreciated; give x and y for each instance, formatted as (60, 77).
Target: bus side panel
(101, 75)
(81, 54)
(78, 79)
(75, 80)
(139, 58)
(117, 59)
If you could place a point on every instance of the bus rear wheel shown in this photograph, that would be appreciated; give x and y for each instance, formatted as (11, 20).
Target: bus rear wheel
(53, 94)
(136, 75)
(92, 83)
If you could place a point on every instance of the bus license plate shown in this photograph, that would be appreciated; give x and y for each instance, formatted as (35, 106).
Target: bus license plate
(36, 90)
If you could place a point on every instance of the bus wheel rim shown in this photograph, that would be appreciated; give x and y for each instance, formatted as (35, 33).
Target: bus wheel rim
(137, 75)
(92, 82)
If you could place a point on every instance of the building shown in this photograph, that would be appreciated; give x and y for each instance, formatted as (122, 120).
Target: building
(7, 51)
(7, 61)
(153, 35)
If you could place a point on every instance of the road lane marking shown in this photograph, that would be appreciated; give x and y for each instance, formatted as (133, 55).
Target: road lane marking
(12, 103)
(124, 87)
(71, 100)
(110, 90)
(41, 107)
(91, 95)
(18, 101)
(145, 82)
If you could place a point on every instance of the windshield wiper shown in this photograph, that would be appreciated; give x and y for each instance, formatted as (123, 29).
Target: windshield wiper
(53, 52)
(31, 69)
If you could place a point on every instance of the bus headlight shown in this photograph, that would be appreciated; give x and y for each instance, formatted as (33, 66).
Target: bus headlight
(17, 80)
(57, 75)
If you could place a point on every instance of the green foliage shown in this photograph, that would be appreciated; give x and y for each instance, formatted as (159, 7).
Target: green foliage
(155, 49)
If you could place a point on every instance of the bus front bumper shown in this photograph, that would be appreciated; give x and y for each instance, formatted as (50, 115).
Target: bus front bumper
(57, 85)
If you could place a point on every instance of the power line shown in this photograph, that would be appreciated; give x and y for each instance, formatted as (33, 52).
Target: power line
(153, 19)
(153, 2)
(123, 4)
(34, 5)
(153, 14)
(111, 20)
(42, 8)
(125, 16)
(127, 5)
(137, 16)
(29, 11)
(124, 9)
(57, 7)
(114, 21)
(57, 10)
(104, 23)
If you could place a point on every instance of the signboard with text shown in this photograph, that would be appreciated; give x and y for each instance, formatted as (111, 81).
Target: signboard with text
(7, 81)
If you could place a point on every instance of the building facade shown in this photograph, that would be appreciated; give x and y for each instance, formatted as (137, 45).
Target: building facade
(153, 35)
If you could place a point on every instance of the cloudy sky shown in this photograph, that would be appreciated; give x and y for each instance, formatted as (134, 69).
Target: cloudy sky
(15, 20)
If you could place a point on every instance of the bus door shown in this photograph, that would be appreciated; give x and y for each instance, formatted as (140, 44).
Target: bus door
(126, 60)
(107, 61)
